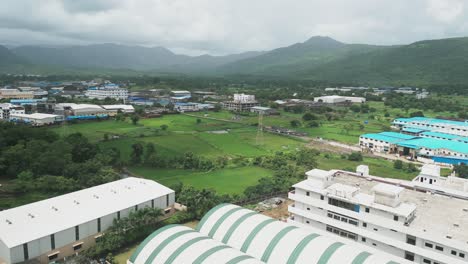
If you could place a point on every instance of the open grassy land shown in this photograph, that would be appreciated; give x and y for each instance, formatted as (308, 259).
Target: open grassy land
(224, 181)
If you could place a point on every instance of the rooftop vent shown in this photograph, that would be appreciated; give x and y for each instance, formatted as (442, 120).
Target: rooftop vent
(465, 209)
(113, 191)
(95, 196)
(31, 215)
(449, 236)
(456, 225)
(76, 202)
(9, 222)
(54, 208)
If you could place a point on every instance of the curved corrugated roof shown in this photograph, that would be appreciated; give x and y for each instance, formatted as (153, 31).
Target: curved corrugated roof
(181, 244)
(273, 241)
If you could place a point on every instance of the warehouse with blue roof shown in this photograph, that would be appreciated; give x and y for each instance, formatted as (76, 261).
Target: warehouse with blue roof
(459, 128)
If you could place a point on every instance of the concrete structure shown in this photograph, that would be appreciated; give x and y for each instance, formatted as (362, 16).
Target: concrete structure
(101, 93)
(384, 142)
(15, 94)
(181, 94)
(122, 108)
(391, 215)
(433, 124)
(231, 234)
(7, 109)
(36, 119)
(337, 99)
(241, 102)
(82, 111)
(263, 110)
(62, 226)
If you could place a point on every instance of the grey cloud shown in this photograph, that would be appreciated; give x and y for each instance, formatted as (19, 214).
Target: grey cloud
(228, 26)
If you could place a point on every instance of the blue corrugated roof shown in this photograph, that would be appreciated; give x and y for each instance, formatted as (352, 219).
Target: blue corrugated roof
(432, 121)
(397, 135)
(432, 143)
(413, 130)
(384, 138)
(445, 136)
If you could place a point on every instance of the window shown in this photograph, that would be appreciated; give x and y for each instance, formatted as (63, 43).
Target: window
(52, 241)
(167, 200)
(461, 255)
(77, 247)
(409, 256)
(136, 207)
(308, 193)
(439, 248)
(374, 244)
(395, 217)
(375, 229)
(341, 232)
(363, 239)
(53, 256)
(99, 225)
(25, 251)
(429, 245)
(118, 215)
(343, 204)
(152, 203)
(321, 197)
(353, 222)
(427, 261)
(410, 240)
(307, 222)
(367, 210)
(77, 233)
(308, 208)
(364, 224)
(453, 252)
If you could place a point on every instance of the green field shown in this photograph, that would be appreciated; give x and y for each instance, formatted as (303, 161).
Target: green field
(224, 181)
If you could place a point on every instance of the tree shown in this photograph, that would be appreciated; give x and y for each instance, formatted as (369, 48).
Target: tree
(307, 157)
(355, 156)
(461, 170)
(150, 154)
(217, 108)
(198, 121)
(164, 127)
(355, 108)
(135, 119)
(295, 123)
(106, 137)
(416, 114)
(137, 152)
(309, 116)
(398, 164)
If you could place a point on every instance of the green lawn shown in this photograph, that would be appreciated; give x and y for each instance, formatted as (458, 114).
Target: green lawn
(224, 181)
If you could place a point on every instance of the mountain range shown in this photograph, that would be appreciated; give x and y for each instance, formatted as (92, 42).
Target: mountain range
(443, 61)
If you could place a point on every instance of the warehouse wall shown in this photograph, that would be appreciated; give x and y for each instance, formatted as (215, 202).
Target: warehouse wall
(4, 253)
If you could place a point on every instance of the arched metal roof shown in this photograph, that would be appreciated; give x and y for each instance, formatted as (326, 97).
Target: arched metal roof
(178, 244)
(273, 241)
(231, 234)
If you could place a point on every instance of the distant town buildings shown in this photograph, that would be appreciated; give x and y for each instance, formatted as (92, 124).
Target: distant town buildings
(15, 94)
(7, 109)
(263, 110)
(62, 226)
(36, 119)
(112, 91)
(241, 103)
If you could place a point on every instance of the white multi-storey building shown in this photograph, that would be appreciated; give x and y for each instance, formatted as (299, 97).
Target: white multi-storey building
(102, 93)
(7, 109)
(395, 216)
(62, 226)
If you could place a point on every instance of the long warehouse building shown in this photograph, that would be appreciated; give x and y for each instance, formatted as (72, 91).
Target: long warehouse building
(232, 234)
(55, 228)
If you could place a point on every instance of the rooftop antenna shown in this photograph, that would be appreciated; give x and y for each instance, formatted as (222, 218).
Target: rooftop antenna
(259, 140)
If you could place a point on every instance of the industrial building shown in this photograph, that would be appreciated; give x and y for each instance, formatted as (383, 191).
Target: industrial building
(415, 220)
(36, 119)
(186, 107)
(177, 96)
(337, 99)
(15, 94)
(109, 91)
(82, 111)
(7, 109)
(232, 234)
(123, 108)
(432, 124)
(438, 147)
(263, 110)
(241, 103)
(62, 226)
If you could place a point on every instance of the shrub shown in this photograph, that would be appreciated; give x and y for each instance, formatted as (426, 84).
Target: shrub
(398, 164)
(355, 156)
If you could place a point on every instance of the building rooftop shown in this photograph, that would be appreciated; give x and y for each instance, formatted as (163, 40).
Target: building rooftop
(32, 221)
(120, 106)
(436, 215)
(413, 130)
(444, 136)
(261, 108)
(80, 106)
(432, 143)
(34, 115)
(432, 121)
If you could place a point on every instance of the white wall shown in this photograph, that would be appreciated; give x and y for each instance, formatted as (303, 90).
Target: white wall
(4, 252)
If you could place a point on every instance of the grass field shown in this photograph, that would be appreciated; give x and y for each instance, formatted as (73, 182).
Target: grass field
(224, 181)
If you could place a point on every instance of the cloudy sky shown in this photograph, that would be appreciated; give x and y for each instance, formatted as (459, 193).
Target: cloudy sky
(228, 26)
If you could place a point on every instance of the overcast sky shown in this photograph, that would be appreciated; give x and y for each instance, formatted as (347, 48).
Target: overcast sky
(228, 26)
